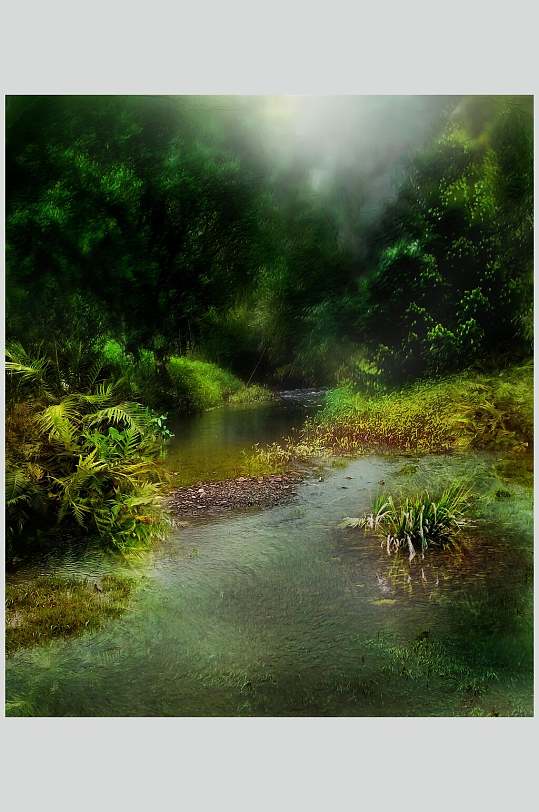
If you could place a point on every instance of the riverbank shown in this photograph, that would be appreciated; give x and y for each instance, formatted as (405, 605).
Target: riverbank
(471, 410)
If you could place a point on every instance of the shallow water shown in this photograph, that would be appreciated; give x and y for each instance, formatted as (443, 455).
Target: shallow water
(281, 612)
(209, 446)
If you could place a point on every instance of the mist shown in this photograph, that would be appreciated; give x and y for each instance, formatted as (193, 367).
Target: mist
(351, 151)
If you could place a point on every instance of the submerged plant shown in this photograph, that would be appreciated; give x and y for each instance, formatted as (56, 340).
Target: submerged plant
(52, 607)
(419, 521)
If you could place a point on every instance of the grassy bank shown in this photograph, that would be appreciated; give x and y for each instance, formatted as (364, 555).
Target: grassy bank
(181, 383)
(469, 410)
(51, 607)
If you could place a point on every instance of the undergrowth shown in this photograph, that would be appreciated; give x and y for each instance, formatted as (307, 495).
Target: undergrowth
(84, 461)
(470, 410)
(51, 607)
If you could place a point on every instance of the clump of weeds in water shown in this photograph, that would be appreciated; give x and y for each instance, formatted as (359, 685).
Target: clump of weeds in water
(417, 522)
(278, 457)
(53, 607)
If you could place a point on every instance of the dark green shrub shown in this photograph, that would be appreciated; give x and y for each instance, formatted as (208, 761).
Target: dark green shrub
(86, 461)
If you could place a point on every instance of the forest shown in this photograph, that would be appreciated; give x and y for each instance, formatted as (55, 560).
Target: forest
(177, 269)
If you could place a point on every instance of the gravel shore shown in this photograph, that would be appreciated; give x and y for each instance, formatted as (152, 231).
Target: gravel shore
(217, 498)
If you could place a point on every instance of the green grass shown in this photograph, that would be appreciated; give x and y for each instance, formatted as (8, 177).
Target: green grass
(417, 522)
(470, 410)
(185, 383)
(201, 385)
(51, 607)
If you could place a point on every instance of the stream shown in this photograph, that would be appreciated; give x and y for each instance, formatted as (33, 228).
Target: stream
(281, 612)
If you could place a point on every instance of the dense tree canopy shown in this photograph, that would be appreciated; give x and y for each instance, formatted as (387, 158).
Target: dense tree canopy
(175, 224)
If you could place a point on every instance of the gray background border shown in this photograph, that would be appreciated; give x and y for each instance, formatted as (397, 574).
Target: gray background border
(296, 48)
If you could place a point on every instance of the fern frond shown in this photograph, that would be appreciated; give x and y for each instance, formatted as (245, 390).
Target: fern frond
(29, 370)
(58, 421)
(17, 485)
(129, 414)
(102, 394)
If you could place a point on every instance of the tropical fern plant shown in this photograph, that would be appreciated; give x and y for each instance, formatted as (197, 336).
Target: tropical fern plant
(85, 459)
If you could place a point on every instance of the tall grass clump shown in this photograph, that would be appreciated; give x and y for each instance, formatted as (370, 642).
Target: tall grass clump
(417, 522)
(85, 462)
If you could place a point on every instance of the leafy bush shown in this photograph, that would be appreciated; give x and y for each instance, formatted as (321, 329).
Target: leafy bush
(85, 459)
(419, 521)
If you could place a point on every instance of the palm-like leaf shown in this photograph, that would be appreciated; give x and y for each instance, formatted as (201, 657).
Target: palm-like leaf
(93, 459)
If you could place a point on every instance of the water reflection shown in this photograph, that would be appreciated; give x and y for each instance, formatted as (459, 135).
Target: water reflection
(210, 445)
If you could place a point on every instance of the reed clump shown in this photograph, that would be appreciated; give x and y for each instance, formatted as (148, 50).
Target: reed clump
(417, 522)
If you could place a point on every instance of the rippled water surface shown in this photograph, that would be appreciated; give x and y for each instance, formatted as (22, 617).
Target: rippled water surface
(281, 612)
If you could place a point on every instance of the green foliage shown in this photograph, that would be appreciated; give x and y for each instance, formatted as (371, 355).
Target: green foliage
(84, 460)
(419, 521)
(181, 383)
(150, 221)
(467, 410)
(455, 285)
(128, 202)
(201, 385)
(53, 607)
